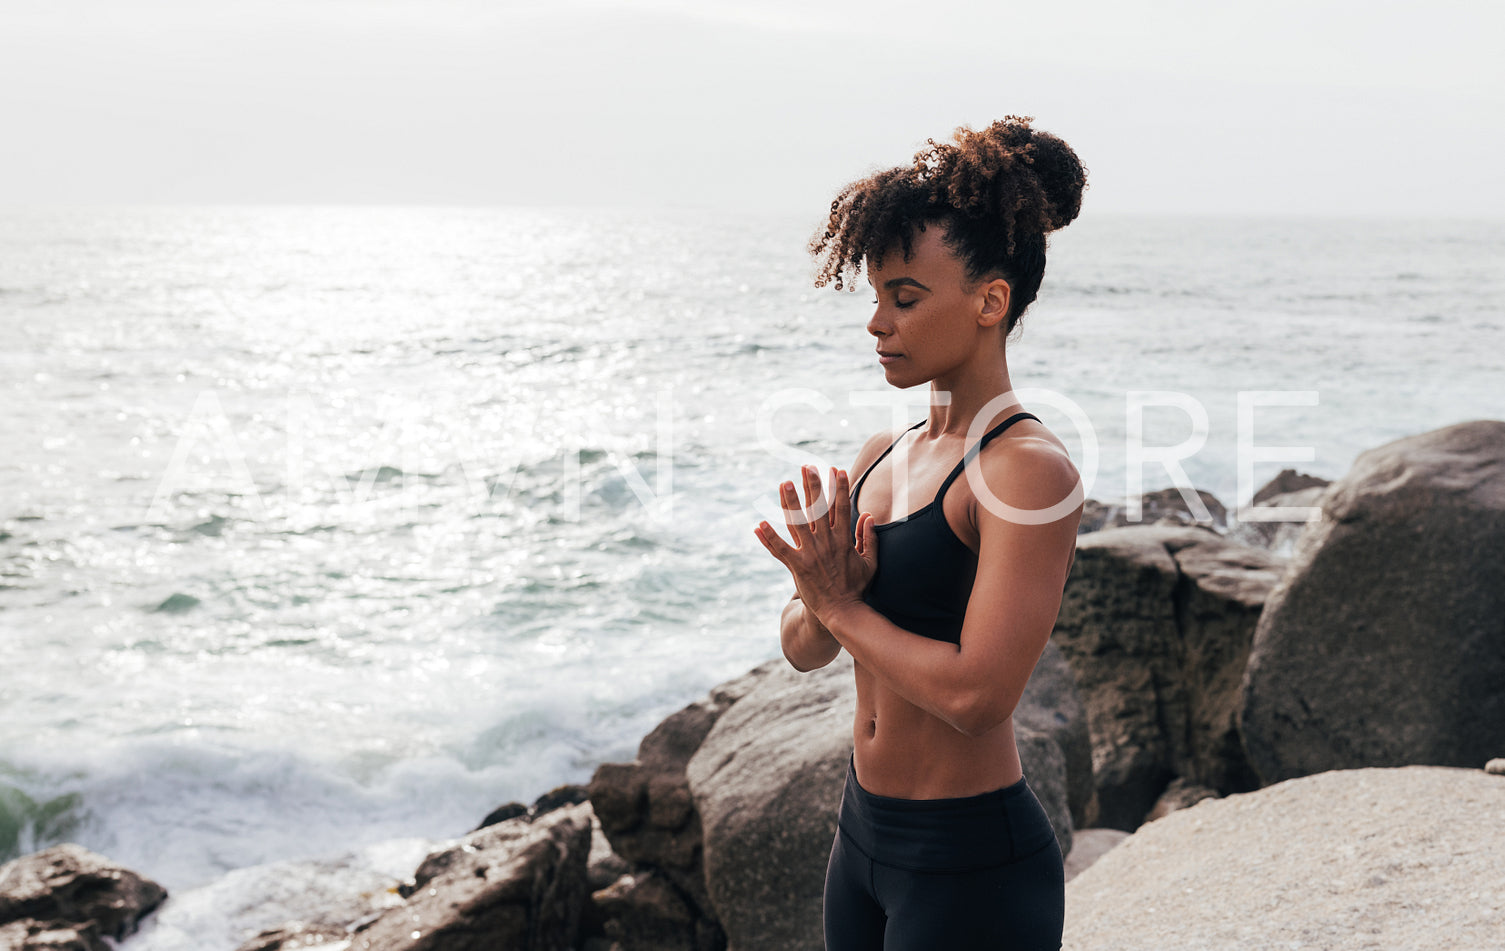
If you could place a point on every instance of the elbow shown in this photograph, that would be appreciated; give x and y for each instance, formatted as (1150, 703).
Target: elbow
(795, 662)
(807, 661)
(977, 712)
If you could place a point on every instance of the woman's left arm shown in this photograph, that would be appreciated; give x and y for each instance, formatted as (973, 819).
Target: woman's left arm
(1021, 571)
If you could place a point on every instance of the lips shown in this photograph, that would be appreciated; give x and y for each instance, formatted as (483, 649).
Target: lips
(886, 357)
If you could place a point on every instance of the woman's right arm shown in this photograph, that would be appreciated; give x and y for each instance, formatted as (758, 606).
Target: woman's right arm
(807, 643)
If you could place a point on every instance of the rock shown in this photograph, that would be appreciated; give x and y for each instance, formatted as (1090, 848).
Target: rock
(1171, 504)
(570, 794)
(1156, 623)
(1278, 537)
(1495, 767)
(285, 904)
(69, 885)
(1289, 481)
(295, 936)
(646, 913)
(28, 934)
(1163, 507)
(518, 884)
(1045, 771)
(1095, 516)
(509, 810)
(1178, 795)
(1353, 859)
(767, 783)
(1089, 845)
(645, 806)
(1052, 705)
(603, 866)
(1383, 644)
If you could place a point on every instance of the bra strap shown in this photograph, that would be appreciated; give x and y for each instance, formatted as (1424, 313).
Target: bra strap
(863, 478)
(972, 452)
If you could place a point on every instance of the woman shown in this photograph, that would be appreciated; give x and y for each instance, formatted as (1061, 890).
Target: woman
(945, 609)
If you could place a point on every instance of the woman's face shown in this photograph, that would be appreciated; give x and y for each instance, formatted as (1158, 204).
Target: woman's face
(928, 319)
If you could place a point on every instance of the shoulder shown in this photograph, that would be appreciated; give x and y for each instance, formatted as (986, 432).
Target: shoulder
(1026, 479)
(872, 449)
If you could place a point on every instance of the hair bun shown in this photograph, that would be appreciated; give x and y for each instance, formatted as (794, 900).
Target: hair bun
(989, 172)
(998, 192)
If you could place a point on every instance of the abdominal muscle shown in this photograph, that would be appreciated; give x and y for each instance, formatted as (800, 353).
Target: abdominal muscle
(903, 752)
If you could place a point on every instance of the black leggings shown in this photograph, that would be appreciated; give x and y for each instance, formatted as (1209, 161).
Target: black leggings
(979, 872)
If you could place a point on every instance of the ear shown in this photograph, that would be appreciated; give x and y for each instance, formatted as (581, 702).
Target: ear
(996, 295)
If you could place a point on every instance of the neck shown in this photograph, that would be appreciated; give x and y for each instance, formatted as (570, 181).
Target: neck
(972, 387)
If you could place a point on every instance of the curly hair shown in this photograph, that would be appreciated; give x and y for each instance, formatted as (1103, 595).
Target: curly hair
(997, 192)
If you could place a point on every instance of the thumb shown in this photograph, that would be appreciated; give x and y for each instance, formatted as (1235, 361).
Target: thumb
(869, 547)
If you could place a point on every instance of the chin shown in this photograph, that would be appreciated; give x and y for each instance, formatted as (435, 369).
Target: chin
(900, 380)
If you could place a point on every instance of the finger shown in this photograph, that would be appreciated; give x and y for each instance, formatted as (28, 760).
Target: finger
(771, 540)
(814, 499)
(841, 504)
(831, 510)
(794, 515)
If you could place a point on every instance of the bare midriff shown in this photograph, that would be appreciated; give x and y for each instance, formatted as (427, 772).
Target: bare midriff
(903, 752)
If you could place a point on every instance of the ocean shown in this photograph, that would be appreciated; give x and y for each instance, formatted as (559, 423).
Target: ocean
(322, 527)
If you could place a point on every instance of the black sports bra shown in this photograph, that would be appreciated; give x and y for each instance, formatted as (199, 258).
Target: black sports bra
(925, 572)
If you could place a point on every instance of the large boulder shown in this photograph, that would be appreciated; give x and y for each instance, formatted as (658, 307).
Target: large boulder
(767, 784)
(1156, 623)
(1353, 859)
(69, 888)
(1384, 644)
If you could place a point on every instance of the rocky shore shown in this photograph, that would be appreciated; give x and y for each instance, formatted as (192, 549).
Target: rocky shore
(1251, 735)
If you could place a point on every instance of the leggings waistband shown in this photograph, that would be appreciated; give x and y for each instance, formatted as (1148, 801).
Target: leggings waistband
(969, 832)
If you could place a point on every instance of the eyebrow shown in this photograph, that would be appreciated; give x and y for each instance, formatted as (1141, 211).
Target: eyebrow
(904, 282)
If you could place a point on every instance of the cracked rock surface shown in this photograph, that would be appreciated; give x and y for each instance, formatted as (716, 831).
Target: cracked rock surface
(1156, 623)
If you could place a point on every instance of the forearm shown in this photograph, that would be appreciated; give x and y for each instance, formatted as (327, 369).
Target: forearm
(933, 675)
(807, 644)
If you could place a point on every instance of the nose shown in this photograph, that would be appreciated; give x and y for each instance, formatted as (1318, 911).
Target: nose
(877, 325)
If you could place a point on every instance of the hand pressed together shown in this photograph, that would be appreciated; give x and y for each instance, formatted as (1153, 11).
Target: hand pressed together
(829, 571)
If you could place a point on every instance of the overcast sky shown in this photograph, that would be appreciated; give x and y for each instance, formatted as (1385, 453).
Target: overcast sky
(1311, 107)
